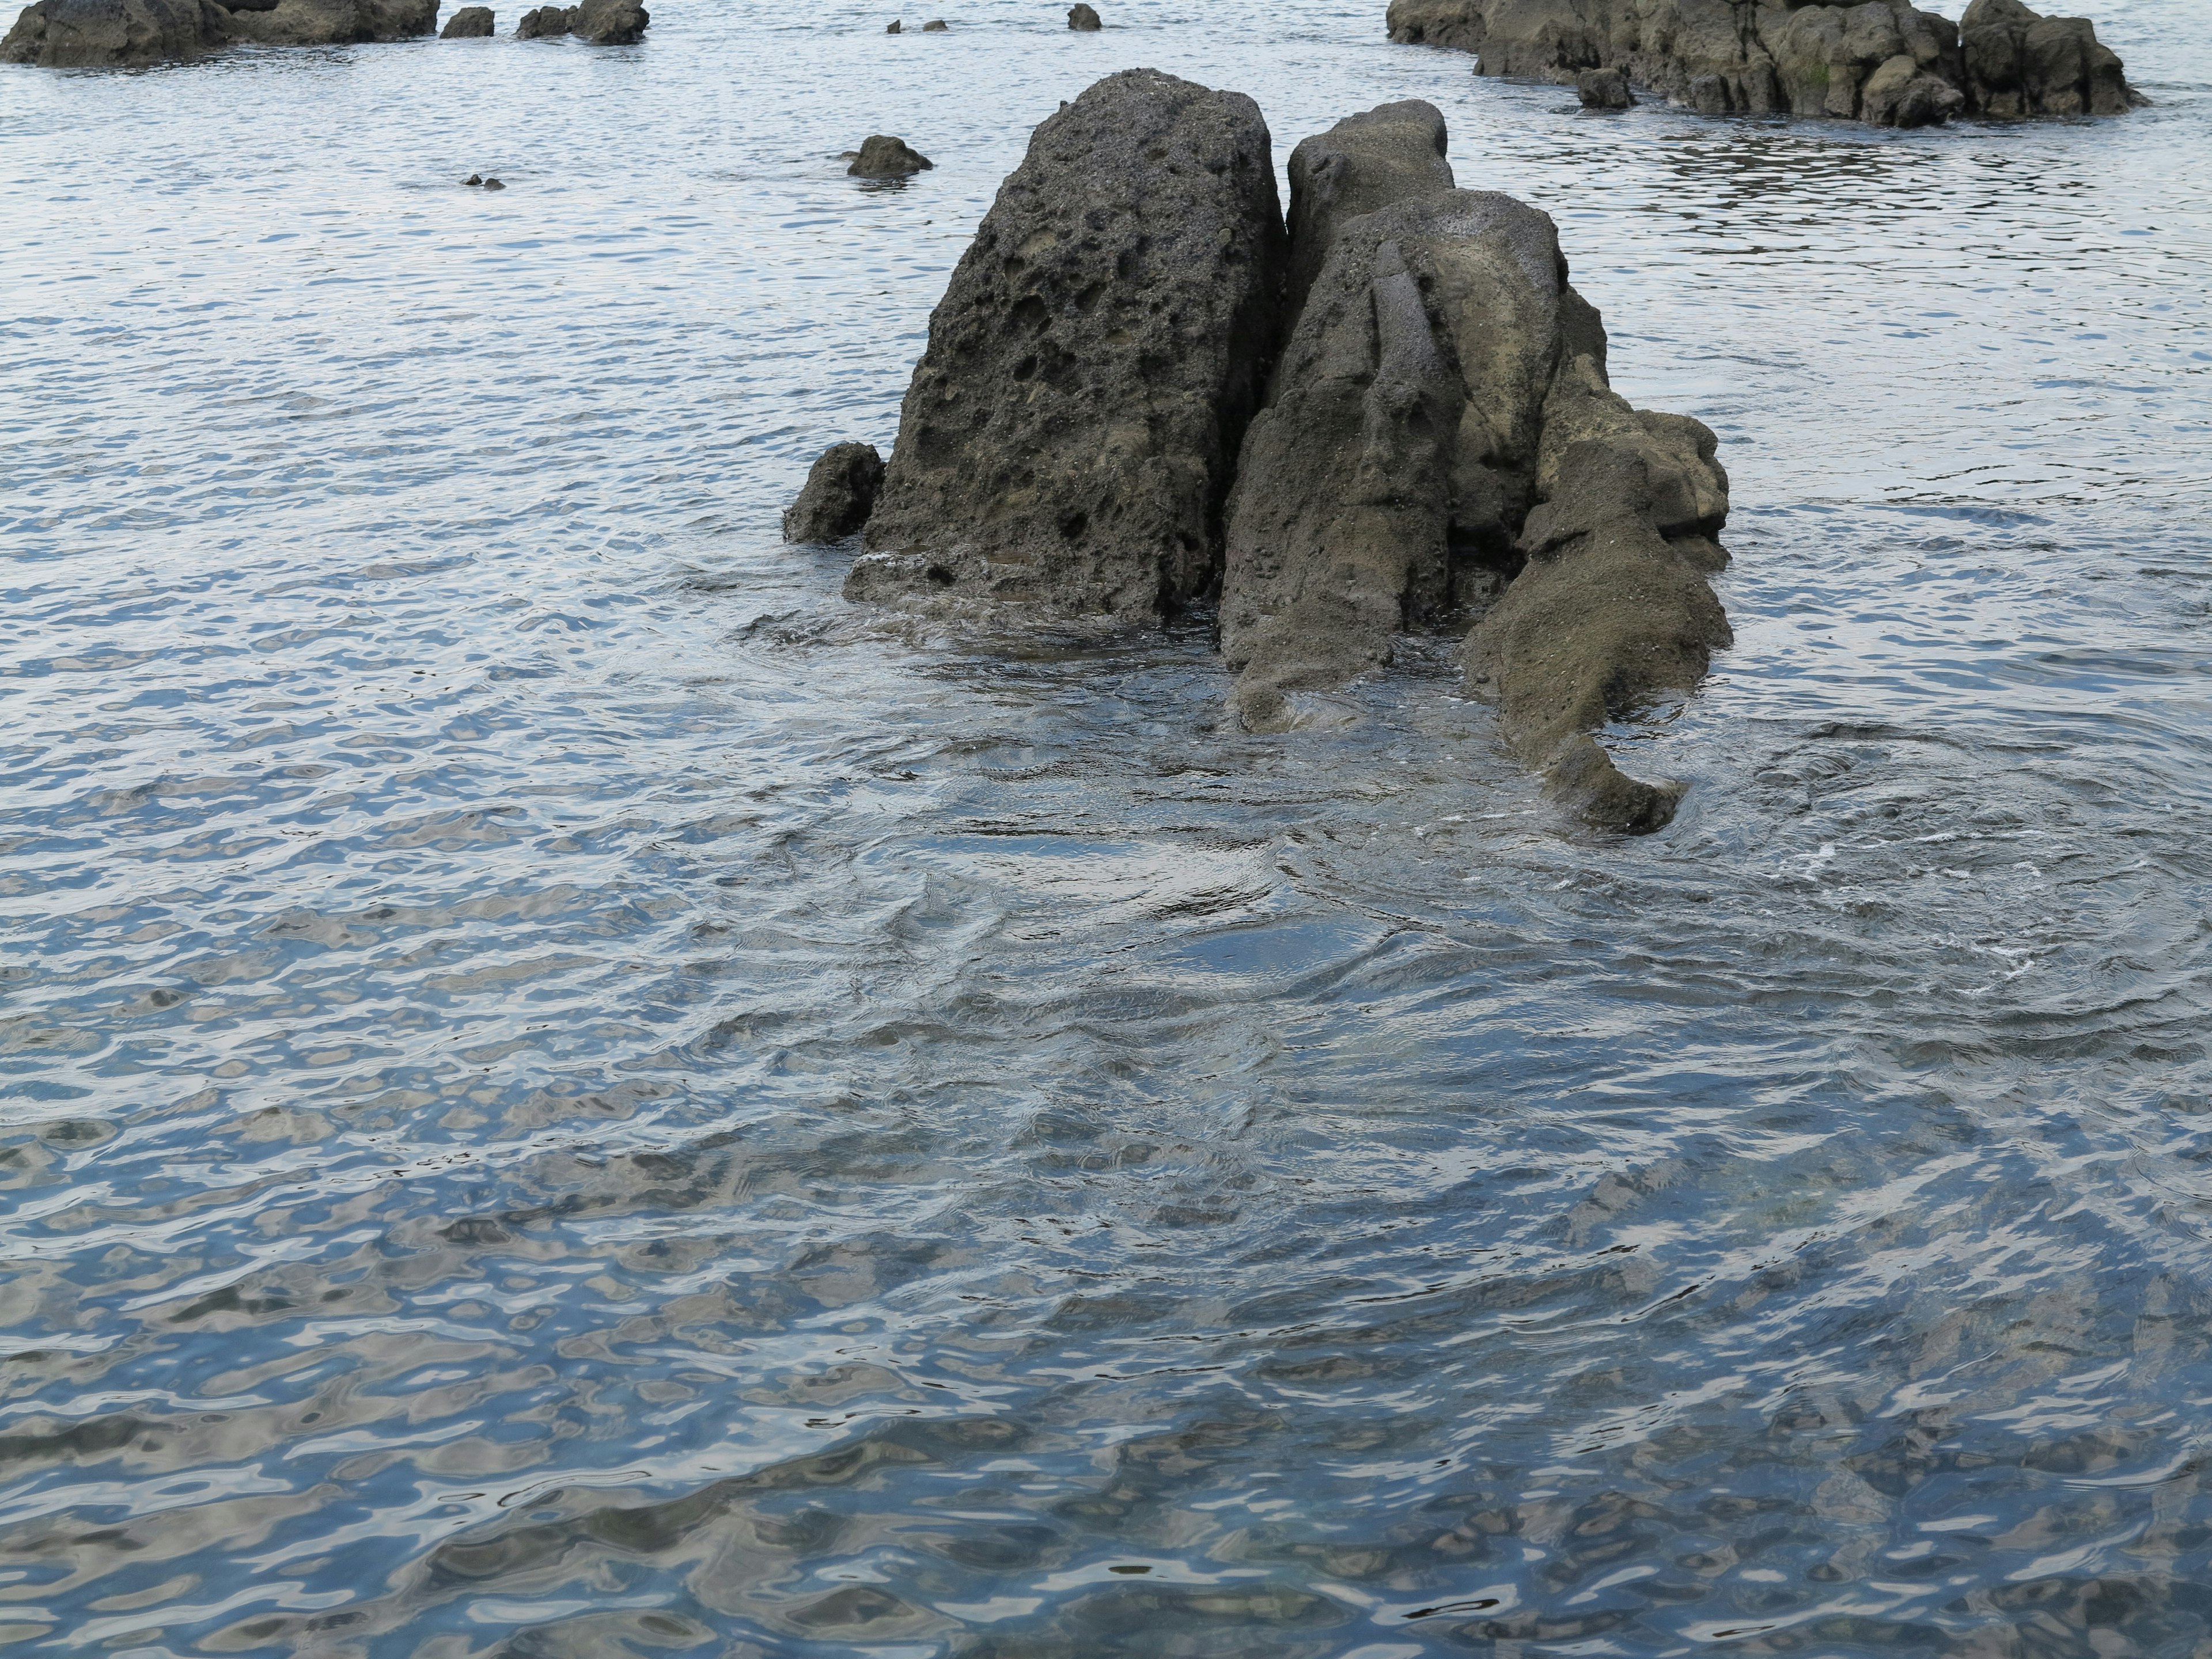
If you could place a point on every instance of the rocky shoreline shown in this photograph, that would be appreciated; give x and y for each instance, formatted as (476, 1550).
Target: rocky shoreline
(1881, 62)
(1144, 388)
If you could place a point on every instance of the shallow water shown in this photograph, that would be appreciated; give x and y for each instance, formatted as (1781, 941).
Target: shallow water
(566, 1093)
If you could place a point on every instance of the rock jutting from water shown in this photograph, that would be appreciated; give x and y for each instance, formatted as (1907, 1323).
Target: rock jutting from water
(1068, 436)
(1605, 88)
(602, 22)
(95, 33)
(1083, 19)
(840, 494)
(1363, 162)
(1442, 444)
(469, 23)
(1881, 62)
(882, 156)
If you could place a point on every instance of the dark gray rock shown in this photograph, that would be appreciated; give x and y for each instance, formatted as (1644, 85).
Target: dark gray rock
(1363, 162)
(493, 184)
(335, 22)
(1083, 19)
(1443, 442)
(896, 28)
(1604, 90)
(473, 178)
(88, 34)
(1882, 61)
(1069, 434)
(469, 23)
(935, 26)
(884, 157)
(839, 494)
(543, 23)
(609, 22)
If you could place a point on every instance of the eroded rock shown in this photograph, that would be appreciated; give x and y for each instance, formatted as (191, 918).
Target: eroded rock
(333, 23)
(1069, 434)
(1363, 162)
(1442, 443)
(884, 157)
(90, 34)
(1882, 61)
(1605, 88)
(839, 494)
(543, 23)
(1083, 19)
(469, 23)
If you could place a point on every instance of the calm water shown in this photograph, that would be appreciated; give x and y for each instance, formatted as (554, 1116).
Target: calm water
(568, 1095)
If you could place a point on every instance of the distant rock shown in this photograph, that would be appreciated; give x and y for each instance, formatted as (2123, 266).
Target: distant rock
(935, 26)
(473, 178)
(333, 23)
(884, 157)
(1083, 18)
(840, 494)
(543, 23)
(1070, 433)
(896, 28)
(1606, 88)
(1363, 162)
(1883, 62)
(469, 23)
(86, 33)
(493, 184)
(609, 22)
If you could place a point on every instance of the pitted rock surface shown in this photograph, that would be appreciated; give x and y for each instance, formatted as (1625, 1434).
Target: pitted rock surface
(1363, 162)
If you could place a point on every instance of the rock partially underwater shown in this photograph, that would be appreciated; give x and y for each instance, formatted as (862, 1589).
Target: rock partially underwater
(1882, 61)
(123, 34)
(840, 494)
(1069, 434)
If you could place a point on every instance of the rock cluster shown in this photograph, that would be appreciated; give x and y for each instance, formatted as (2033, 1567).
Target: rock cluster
(469, 23)
(1100, 426)
(602, 22)
(90, 34)
(1881, 61)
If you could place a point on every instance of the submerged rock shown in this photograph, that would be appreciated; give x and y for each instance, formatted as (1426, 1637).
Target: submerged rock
(469, 23)
(86, 33)
(1604, 90)
(1363, 162)
(1881, 61)
(1068, 436)
(1083, 18)
(936, 26)
(839, 494)
(1441, 442)
(884, 157)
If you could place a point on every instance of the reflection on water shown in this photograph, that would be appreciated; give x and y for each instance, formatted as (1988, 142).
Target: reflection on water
(568, 1094)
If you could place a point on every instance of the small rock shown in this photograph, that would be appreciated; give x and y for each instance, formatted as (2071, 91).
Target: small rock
(882, 157)
(935, 26)
(1085, 19)
(896, 28)
(473, 178)
(469, 23)
(493, 184)
(609, 22)
(1604, 89)
(544, 23)
(840, 494)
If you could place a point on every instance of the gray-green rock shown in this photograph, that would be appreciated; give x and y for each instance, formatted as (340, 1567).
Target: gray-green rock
(469, 23)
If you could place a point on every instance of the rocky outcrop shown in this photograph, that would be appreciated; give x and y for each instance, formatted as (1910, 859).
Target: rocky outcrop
(1363, 162)
(469, 23)
(1083, 19)
(333, 23)
(609, 22)
(1068, 437)
(90, 33)
(543, 23)
(840, 494)
(881, 156)
(1881, 61)
(1443, 446)
(1603, 89)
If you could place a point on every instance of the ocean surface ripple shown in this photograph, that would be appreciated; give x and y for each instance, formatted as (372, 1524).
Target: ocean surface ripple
(564, 1093)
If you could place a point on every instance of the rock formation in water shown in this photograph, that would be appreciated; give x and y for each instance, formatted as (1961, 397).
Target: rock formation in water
(1441, 442)
(935, 26)
(839, 494)
(1069, 434)
(469, 23)
(1881, 62)
(1083, 19)
(1606, 88)
(1363, 162)
(881, 156)
(602, 22)
(543, 23)
(77, 33)
(896, 27)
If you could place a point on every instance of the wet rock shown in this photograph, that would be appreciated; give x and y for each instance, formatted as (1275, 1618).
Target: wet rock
(86, 33)
(884, 157)
(896, 28)
(1363, 162)
(334, 22)
(935, 26)
(609, 22)
(1443, 442)
(469, 23)
(1604, 90)
(1083, 18)
(2019, 64)
(1882, 61)
(840, 494)
(543, 23)
(1069, 434)
(473, 178)
(493, 184)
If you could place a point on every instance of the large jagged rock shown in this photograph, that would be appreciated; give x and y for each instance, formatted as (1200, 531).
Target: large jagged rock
(333, 23)
(1363, 162)
(469, 23)
(1069, 434)
(93, 33)
(1881, 61)
(1443, 442)
(839, 494)
(543, 23)
(609, 22)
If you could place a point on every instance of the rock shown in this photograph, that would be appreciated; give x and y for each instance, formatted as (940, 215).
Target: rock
(609, 22)
(840, 494)
(1083, 18)
(1604, 90)
(1443, 441)
(896, 28)
(86, 33)
(469, 23)
(882, 157)
(936, 26)
(493, 184)
(334, 22)
(473, 178)
(1363, 162)
(1881, 61)
(2019, 64)
(543, 23)
(1069, 434)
